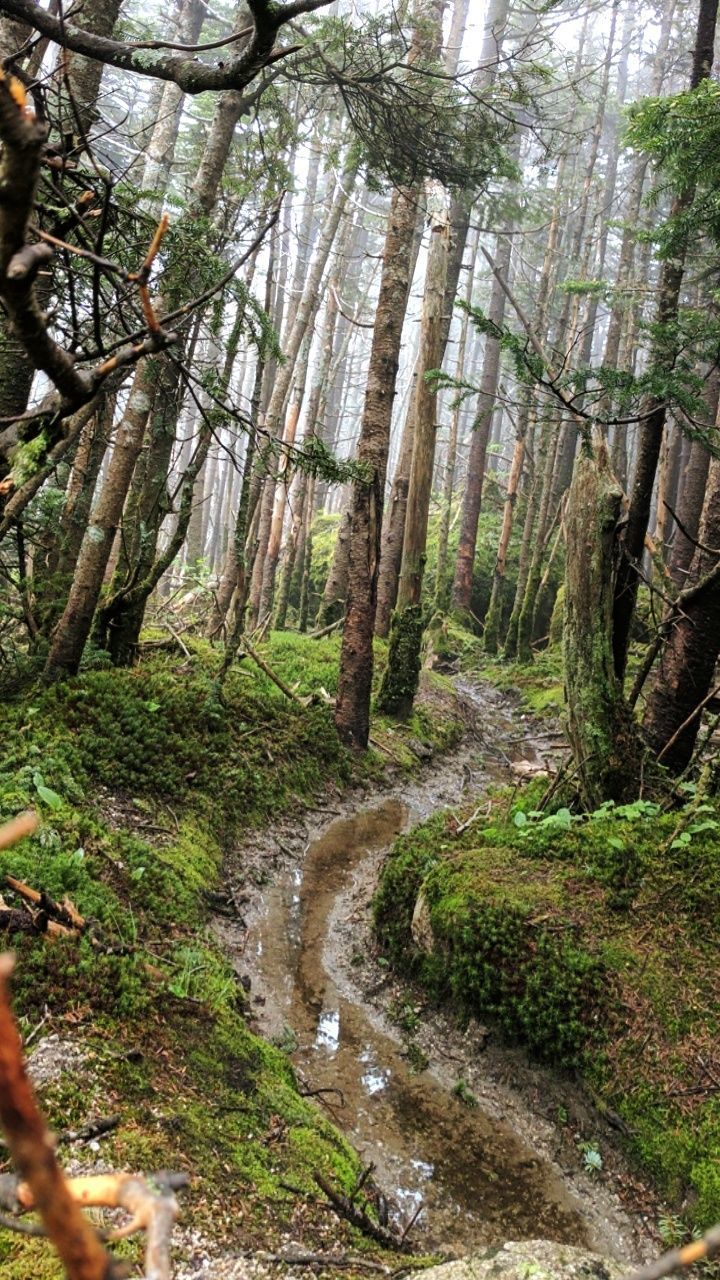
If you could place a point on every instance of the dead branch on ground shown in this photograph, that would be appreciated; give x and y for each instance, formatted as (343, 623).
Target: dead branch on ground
(345, 1207)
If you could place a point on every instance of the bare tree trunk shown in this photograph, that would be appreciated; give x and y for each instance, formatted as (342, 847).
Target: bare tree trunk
(73, 629)
(76, 511)
(333, 600)
(460, 212)
(472, 499)
(394, 521)
(306, 311)
(352, 709)
(496, 607)
(234, 576)
(442, 586)
(692, 493)
(400, 679)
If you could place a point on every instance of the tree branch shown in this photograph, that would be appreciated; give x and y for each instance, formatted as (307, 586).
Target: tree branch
(181, 67)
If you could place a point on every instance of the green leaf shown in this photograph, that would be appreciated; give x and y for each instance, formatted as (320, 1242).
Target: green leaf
(48, 797)
(682, 841)
(520, 819)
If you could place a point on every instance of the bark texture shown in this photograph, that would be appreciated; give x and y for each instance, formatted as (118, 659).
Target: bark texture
(605, 743)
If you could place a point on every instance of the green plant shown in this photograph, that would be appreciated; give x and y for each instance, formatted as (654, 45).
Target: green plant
(418, 1060)
(465, 1095)
(591, 1157)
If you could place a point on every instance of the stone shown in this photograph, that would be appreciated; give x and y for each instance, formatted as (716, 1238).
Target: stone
(420, 925)
(527, 1260)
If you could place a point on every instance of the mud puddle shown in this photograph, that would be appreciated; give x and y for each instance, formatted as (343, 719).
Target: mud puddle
(476, 1177)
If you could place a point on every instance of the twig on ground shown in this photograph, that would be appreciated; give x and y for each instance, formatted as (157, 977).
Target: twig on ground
(93, 1129)
(345, 1208)
(482, 811)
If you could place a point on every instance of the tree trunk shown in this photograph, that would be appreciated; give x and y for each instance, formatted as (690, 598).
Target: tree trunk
(496, 607)
(335, 591)
(78, 503)
(352, 708)
(692, 493)
(442, 586)
(461, 206)
(73, 629)
(400, 679)
(306, 312)
(472, 499)
(686, 672)
(607, 753)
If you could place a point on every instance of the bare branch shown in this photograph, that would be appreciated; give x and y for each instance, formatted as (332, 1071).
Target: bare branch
(191, 75)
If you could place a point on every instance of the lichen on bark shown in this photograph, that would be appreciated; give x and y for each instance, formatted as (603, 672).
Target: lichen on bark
(605, 741)
(400, 679)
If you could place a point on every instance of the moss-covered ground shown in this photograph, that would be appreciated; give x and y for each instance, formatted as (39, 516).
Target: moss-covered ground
(142, 779)
(592, 940)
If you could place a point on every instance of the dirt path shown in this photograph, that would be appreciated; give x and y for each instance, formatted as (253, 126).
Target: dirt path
(506, 1168)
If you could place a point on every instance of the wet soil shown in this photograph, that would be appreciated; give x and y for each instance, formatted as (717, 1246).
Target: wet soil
(485, 1160)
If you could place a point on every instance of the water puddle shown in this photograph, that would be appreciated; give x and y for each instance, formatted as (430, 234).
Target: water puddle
(477, 1181)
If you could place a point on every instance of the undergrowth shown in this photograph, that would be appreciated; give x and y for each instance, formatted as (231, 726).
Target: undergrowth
(143, 779)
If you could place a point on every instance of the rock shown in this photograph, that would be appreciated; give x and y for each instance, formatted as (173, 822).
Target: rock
(420, 926)
(527, 1260)
(54, 1057)
(528, 769)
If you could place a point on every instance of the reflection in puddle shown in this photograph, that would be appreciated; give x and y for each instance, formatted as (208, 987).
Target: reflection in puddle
(328, 1030)
(374, 1078)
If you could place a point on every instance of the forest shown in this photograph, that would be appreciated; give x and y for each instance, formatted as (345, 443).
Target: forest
(359, 639)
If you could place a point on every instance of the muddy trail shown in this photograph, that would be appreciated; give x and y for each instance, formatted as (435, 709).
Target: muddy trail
(494, 1170)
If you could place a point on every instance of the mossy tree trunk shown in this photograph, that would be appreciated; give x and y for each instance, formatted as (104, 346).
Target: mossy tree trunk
(604, 739)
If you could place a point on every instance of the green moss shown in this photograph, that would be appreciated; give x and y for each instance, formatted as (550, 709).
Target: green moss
(400, 680)
(20, 1258)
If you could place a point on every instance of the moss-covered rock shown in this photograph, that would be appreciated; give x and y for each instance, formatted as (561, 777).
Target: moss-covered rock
(592, 940)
